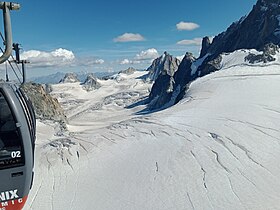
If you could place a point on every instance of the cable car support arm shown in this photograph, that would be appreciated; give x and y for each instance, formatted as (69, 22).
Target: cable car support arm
(6, 7)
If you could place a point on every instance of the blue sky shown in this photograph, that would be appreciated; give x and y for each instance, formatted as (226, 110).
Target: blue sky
(95, 35)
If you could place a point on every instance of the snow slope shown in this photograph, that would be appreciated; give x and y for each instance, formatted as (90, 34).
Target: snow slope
(217, 149)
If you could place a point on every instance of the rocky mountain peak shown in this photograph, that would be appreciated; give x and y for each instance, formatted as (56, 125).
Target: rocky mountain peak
(165, 64)
(189, 57)
(205, 46)
(128, 71)
(91, 83)
(70, 78)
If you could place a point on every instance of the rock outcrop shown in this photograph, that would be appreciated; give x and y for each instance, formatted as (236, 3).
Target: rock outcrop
(46, 107)
(267, 56)
(205, 46)
(162, 71)
(164, 65)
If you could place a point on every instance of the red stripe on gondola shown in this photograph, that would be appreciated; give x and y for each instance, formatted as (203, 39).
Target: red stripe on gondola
(16, 204)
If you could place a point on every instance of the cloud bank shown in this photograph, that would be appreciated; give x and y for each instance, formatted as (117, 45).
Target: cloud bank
(57, 58)
(147, 54)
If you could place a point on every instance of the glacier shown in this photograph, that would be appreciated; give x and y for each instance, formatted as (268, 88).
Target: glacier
(218, 148)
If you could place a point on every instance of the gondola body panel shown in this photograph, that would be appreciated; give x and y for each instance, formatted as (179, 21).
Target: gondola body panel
(16, 148)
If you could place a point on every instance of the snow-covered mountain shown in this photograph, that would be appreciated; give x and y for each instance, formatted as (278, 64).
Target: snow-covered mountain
(218, 148)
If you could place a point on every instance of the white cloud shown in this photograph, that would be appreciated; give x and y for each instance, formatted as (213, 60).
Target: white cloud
(195, 41)
(126, 61)
(99, 61)
(129, 37)
(144, 57)
(63, 53)
(57, 58)
(186, 26)
(147, 54)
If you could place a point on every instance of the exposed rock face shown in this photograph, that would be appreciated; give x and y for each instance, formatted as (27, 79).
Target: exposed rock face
(183, 74)
(91, 83)
(165, 65)
(210, 65)
(164, 86)
(128, 71)
(205, 46)
(255, 31)
(161, 91)
(70, 78)
(46, 107)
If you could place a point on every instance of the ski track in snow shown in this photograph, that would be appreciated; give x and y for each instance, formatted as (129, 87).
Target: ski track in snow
(219, 150)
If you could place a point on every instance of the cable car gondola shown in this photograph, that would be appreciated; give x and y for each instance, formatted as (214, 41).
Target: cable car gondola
(17, 133)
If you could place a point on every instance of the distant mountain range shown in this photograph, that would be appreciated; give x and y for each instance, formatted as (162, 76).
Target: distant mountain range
(57, 77)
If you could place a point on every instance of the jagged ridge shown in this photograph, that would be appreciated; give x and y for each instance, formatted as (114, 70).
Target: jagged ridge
(258, 30)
